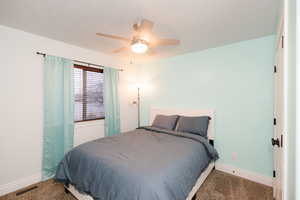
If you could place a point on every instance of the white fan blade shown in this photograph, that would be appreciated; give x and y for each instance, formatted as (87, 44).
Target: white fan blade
(113, 37)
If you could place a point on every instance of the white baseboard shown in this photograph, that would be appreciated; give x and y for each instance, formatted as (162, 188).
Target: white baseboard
(19, 184)
(252, 176)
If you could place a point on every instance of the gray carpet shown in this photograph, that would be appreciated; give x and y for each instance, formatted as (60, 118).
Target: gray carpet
(218, 186)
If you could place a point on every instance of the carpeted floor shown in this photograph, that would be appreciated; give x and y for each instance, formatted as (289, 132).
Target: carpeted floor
(218, 186)
(223, 186)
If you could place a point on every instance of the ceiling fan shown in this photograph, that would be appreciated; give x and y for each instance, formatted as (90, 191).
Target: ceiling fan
(143, 40)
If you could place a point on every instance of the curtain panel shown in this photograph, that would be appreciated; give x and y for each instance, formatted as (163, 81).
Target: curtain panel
(111, 101)
(58, 112)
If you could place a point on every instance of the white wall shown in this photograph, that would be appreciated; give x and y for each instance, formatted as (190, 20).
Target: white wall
(297, 58)
(290, 95)
(21, 103)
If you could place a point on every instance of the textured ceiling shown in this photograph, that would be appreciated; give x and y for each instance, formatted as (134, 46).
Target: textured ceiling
(199, 24)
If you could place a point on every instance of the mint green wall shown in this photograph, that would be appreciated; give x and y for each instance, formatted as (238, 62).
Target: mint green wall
(237, 81)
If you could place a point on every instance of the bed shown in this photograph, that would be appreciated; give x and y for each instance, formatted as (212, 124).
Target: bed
(144, 164)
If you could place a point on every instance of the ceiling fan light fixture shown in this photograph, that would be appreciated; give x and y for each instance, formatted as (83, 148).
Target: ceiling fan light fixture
(139, 47)
(142, 40)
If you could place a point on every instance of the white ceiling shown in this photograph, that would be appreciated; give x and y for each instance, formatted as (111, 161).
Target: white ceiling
(199, 24)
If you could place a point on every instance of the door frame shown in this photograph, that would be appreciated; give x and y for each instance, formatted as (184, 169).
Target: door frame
(280, 47)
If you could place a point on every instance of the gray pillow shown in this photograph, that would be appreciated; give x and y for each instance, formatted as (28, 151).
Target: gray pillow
(165, 122)
(195, 125)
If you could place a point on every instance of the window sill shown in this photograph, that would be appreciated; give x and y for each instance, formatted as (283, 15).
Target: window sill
(95, 122)
(89, 120)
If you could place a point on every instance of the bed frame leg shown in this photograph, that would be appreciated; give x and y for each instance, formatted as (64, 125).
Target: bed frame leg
(67, 191)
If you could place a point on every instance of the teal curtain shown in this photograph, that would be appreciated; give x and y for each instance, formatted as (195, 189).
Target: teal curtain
(58, 112)
(111, 101)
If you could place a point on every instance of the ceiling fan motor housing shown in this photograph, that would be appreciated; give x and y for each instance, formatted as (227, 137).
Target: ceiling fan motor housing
(138, 40)
(135, 27)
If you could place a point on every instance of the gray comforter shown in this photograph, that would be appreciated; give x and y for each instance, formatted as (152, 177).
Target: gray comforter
(144, 164)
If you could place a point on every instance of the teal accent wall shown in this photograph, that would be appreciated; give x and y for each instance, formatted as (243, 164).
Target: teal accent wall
(237, 81)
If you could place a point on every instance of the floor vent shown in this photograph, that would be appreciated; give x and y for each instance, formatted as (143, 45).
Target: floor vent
(26, 190)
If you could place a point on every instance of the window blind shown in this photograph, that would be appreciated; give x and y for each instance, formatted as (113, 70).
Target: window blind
(88, 91)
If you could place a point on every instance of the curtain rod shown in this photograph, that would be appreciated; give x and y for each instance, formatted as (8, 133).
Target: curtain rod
(78, 61)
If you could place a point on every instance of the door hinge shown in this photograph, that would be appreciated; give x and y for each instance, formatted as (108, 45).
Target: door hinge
(281, 141)
(274, 121)
(274, 173)
(282, 41)
(275, 68)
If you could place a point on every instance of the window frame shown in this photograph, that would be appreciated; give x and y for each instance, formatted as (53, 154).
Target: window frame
(91, 69)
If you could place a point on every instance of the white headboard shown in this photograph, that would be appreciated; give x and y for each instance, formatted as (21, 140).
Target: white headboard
(210, 113)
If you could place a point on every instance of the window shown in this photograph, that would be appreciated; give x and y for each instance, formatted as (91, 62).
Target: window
(88, 84)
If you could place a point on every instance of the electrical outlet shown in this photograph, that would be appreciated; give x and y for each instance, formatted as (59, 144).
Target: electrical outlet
(234, 156)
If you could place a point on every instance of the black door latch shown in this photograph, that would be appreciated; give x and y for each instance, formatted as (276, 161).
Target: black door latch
(275, 142)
